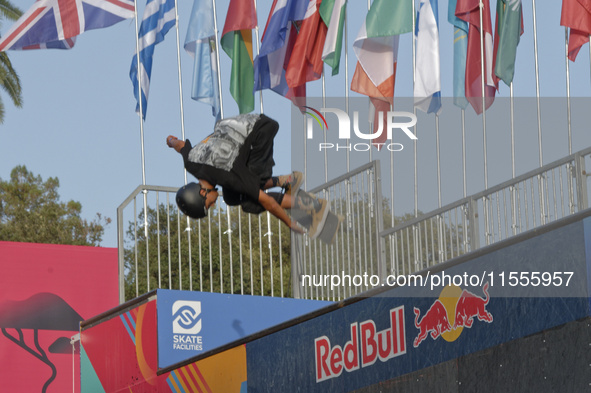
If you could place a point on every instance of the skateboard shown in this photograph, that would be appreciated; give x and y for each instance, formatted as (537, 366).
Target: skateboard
(314, 214)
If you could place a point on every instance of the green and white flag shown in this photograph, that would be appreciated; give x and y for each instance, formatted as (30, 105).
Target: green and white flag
(509, 28)
(332, 13)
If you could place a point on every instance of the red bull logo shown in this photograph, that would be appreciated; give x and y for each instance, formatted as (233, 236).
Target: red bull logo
(364, 348)
(452, 312)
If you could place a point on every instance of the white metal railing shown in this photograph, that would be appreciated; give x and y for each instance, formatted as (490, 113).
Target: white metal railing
(541, 196)
(228, 252)
(357, 248)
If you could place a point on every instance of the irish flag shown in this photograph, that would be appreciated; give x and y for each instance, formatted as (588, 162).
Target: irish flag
(332, 13)
(376, 47)
(237, 43)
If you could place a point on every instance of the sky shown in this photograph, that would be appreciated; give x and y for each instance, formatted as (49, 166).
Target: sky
(78, 121)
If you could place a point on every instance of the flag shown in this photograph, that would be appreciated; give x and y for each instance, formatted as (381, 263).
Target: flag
(468, 10)
(54, 23)
(200, 43)
(576, 15)
(305, 63)
(427, 89)
(237, 43)
(508, 29)
(460, 50)
(276, 48)
(159, 17)
(332, 13)
(376, 47)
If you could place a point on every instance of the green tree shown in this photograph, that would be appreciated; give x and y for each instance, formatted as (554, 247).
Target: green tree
(9, 79)
(31, 211)
(165, 266)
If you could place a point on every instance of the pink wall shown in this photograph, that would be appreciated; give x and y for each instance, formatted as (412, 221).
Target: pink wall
(44, 290)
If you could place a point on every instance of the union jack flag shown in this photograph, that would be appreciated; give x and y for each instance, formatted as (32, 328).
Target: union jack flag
(55, 23)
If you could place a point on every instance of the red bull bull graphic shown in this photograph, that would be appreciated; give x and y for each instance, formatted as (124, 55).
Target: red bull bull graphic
(449, 314)
(434, 322)
(470, 306)
(364, 348)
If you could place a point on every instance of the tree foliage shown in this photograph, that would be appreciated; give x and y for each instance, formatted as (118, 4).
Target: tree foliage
(31, 211)
(222, 255)
(9, 80)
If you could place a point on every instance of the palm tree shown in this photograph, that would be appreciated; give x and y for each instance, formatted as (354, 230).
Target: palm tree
(9, 80)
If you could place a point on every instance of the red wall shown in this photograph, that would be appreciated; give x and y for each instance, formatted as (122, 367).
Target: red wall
(44, 288)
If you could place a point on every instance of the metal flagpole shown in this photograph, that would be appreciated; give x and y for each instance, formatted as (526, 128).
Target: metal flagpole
(256, 32)
(323, 80)
(513, 190)
(438, 160)
(482, 85)
(570, 146)
(414, 71)
(464, 152)
(178, 54)
(217, 58)
(541, 160)
(415, 235)
(143, 154)
(568, 119)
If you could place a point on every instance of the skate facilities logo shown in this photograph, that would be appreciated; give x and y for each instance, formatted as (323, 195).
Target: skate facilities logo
(389, 125)
(365, 347)
(186, 325)
(454, 310)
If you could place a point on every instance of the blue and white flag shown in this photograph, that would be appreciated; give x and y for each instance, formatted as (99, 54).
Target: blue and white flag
(427, 89)
(159, 17)
(460, 52)
(200, 43)
(276, 44)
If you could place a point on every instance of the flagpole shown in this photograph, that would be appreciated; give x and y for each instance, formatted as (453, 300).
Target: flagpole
(323, 80)
(482, 84)
(256, 32)
(541, 160)
(178, 55)
(414, 70)
(143, 154)
(513, 199)
(464, 152)
(438, 160)
(568, 119)
(217, 58)
(568, 90)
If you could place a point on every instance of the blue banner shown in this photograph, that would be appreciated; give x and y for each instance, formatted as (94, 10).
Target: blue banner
(190, 323)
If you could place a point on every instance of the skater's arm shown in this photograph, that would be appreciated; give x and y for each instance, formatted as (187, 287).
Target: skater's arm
(271, 205)
(175, 143)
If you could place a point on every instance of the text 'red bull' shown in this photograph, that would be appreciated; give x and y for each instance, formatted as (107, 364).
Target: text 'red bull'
(364, 348)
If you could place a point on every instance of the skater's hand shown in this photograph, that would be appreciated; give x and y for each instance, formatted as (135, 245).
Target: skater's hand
(175, 143)
(170, 140)
(296, 227)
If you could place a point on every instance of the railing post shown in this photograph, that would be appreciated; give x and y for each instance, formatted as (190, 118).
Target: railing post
(296, 252)
(581, 179)
(381, 243)
(474, 225)
(120, 254)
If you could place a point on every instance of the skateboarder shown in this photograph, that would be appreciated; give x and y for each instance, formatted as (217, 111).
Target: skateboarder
(238, 156)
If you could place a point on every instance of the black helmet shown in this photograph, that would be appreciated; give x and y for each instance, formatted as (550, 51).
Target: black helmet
(190, 201)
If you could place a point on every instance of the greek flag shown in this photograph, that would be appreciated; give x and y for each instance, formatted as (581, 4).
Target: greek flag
(159, 17)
